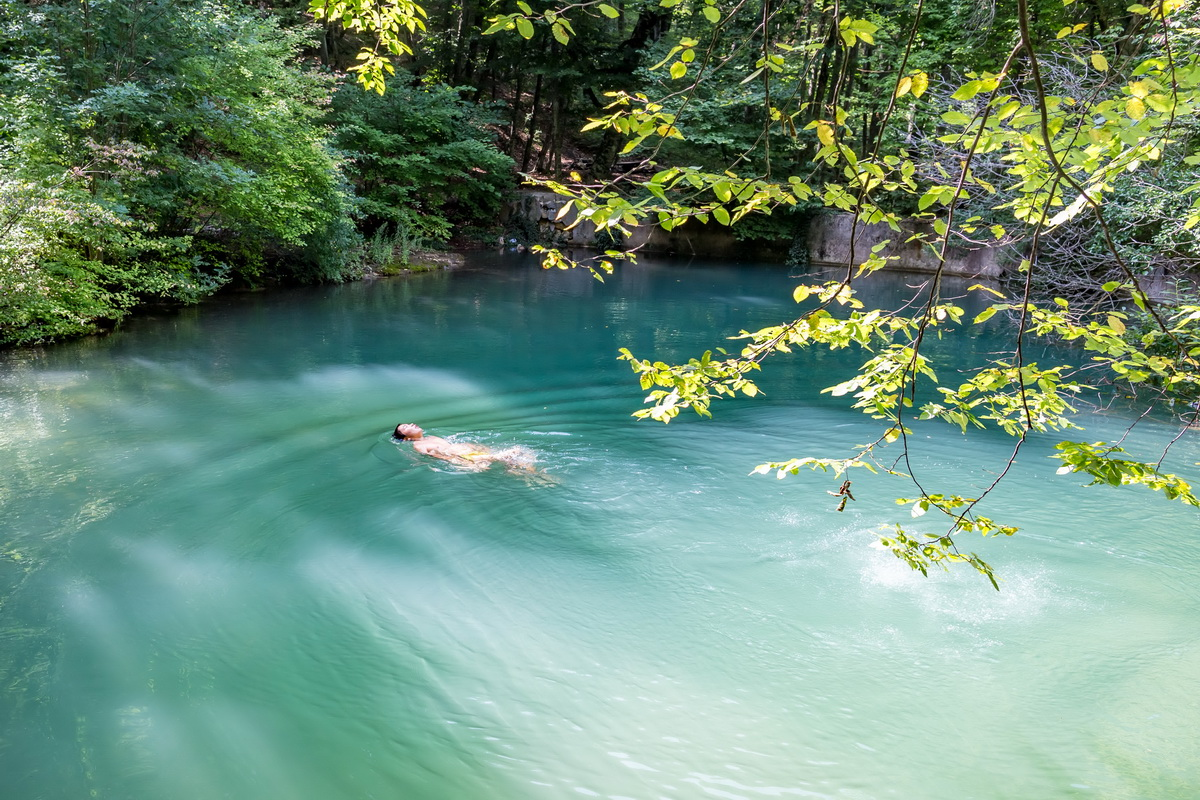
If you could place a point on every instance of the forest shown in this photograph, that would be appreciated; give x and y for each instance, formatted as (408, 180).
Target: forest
(156, 152)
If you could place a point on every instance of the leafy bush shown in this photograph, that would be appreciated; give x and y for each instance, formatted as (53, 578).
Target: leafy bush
(421, 158)
(156, 150)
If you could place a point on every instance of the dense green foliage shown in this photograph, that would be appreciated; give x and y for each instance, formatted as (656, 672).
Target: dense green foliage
(421, 159)
(156, 151)
(178, 149)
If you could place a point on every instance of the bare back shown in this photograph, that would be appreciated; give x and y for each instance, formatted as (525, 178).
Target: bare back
(461, 454)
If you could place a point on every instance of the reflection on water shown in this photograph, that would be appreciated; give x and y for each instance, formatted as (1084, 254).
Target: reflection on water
(220, 578)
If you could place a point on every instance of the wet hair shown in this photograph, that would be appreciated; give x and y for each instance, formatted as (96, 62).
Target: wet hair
(405, 430)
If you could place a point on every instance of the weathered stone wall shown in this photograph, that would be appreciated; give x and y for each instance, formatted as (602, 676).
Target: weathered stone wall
(828, 240)
(829, 244)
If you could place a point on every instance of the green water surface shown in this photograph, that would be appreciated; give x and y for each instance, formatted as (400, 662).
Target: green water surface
(220, 578)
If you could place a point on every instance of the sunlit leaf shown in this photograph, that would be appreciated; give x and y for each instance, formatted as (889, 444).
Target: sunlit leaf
(920, 83)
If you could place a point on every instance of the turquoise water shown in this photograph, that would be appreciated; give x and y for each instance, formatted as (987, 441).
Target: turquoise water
(220, 579)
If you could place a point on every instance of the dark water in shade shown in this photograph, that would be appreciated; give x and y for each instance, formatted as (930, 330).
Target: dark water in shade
(220, 579)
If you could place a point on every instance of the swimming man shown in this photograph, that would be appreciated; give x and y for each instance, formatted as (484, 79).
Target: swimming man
(474, 457)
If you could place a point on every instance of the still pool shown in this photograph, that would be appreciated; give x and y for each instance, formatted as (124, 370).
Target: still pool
(219, 578)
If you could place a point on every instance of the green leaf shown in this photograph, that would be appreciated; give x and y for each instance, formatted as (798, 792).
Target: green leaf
(721, 215)
(525, 28)
(1100, 62)
(985, 315)
(560, 33)
(712, 14)
(678, 70)
(967, 90)
(608, 11)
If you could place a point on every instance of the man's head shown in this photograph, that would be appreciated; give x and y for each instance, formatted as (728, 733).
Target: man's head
(408, 430)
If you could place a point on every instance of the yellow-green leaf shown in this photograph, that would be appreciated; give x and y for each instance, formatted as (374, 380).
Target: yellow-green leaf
(1100, 62)
(985, 315)
(967, 90)
(608, 11)
(825, 134)
(712, 14)
(525, 28)
(904, 86)
(678, 70)
(1135, 107)
(920, 82)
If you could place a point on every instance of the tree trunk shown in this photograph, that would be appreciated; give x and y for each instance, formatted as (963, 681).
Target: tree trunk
(467, 43)
(533, 113)
(518, 95)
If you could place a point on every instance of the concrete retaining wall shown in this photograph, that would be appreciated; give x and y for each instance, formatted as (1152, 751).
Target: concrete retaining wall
(828, 240)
